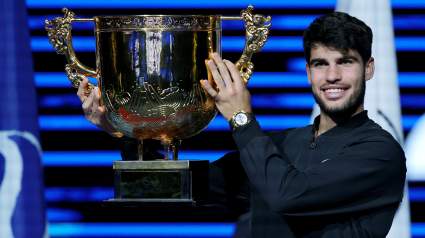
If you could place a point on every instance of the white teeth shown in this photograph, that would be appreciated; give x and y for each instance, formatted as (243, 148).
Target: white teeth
(334, 90)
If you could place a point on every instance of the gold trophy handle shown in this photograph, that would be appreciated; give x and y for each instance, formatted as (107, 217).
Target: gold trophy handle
(257, 34)
(61, 39)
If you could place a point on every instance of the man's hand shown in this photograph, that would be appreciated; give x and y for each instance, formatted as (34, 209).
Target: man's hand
(232, 95)
(94, 111)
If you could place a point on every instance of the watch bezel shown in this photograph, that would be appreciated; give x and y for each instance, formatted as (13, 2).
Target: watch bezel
(232, 122)
(236, 122)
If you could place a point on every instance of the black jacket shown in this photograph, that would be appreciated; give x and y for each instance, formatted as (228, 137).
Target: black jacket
(348, 184)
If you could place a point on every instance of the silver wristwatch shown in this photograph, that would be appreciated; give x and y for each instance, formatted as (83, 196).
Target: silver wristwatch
(240, 118)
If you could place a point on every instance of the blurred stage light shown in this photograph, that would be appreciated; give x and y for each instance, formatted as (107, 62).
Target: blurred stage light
(267, 122)
(259, 101)
(75, 194)
(218, 4)
(98, 194)
(258, 80)
(232, 44)
(417, 194)
(280, 22)
(418, 229)
(62, 214)
(139, 229)
(106, 158)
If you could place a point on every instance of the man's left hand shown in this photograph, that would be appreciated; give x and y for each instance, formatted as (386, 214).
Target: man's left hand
(233, 94)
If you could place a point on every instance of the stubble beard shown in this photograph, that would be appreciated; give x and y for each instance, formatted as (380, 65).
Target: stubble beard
(349, 107)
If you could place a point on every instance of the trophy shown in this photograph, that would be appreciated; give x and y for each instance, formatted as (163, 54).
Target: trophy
(149, 69)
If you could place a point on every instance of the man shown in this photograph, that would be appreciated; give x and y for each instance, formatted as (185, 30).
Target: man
(343, 176)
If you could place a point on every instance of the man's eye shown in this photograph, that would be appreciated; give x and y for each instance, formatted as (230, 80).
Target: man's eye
(346, 62)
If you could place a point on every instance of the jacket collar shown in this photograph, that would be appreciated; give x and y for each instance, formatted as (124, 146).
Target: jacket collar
(344, 127)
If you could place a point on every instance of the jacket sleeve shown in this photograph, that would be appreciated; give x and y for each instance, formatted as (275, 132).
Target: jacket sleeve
(366, 174)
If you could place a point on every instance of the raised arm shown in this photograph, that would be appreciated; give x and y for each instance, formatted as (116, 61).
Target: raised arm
(366, 173)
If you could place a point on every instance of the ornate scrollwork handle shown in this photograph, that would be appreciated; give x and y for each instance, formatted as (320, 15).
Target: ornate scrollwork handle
(257, 34)
(61, 39)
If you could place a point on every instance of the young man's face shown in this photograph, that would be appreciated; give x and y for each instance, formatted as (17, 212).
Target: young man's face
(338, 80)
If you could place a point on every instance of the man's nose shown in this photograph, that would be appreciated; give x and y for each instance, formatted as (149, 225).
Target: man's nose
(333, 73)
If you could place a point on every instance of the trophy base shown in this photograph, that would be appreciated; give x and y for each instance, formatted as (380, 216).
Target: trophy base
(159, 183)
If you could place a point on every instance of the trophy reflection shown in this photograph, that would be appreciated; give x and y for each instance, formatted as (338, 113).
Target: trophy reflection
(149, 69)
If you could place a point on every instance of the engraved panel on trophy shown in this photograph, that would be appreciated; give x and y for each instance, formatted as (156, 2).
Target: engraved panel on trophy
(154, 184)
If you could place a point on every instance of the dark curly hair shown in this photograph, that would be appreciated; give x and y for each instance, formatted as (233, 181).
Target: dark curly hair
(341, 32)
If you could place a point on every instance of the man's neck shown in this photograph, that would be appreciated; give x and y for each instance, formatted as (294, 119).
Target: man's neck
(328, 122)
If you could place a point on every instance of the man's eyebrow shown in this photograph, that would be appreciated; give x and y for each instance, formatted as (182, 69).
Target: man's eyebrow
(316, 60)
(349, 57)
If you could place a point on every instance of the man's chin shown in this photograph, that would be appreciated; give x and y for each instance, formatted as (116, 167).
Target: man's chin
(334, 111)
(339, 111)
(335, 106)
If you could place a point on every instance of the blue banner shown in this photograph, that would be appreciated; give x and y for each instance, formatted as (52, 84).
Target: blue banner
(22, 206)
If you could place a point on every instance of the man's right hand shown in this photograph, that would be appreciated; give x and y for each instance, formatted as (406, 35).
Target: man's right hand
(94, 111)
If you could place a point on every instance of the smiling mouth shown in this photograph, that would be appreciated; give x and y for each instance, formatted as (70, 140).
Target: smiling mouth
(334, 90)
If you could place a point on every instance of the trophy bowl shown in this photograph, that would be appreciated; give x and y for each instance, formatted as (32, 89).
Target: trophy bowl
(149, 69)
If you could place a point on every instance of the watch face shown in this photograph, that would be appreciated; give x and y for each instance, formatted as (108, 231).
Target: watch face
(241, 118)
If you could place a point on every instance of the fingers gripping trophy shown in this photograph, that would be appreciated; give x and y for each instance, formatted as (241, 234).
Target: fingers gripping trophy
(149, 70)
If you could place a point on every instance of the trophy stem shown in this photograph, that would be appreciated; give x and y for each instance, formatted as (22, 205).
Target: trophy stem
(175, 145)
(140, 149)
(166, 145)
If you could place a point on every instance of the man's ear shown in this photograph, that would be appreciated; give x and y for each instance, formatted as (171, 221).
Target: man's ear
(307, 68)
(370, 69)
